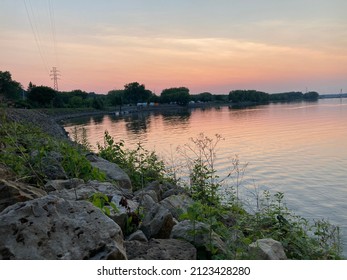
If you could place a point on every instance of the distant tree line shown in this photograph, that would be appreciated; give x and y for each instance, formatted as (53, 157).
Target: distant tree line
(239, 96)
(133, 93)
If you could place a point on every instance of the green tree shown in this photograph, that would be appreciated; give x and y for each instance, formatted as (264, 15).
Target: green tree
(116, 98)
(42, 96)
(136, 92)
(179, 95)
(311, 95)
(8, 87)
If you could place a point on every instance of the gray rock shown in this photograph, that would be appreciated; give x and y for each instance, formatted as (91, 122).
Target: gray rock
(141, 193)
(55, 185)
(174, 191)
(50, 165)
(147, 203)
(54, 228)
(157, 223)
(177, 204)
(112, 170)
(160, 249)
(85, 190)
(267, 249)
(138, 235)
(13, 192)
(198, 236)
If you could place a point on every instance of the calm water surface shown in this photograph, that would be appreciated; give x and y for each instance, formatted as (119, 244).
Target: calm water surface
(297, 148)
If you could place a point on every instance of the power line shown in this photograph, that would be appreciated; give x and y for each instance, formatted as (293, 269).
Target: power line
(53, 29)
(36, 35)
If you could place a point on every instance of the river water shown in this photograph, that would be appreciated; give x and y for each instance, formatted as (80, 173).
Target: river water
(299, 149)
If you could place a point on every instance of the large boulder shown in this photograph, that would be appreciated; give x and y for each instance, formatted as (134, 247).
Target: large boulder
(200, 236)
(55, 228)
(112, 171)
(13, 192)
(160, 249)
(267, 249)
(177, 204)
(157, 223)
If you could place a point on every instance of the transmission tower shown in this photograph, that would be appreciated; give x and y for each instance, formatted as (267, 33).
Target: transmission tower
(55, 77)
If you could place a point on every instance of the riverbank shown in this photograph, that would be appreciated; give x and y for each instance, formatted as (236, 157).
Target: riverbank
(59, 201)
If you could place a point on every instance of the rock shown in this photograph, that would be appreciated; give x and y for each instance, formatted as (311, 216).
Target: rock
(147, 203)
(85, 190)
(160, 249)
(174, 191)
(267, 249)
(177, 204)
(138, 236)
(151, 189)
(141, 193)
(55, 185)
(13, 192)
(157, 223)
(51, 166)
(112, 170)
(54, 228)
(185, 230)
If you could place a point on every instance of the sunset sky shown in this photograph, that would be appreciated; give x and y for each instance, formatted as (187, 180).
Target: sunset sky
(205, 45)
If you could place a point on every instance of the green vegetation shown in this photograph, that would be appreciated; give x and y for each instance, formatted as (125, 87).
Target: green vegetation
(141, 165)
(272, 219)
(101, 201)
(239, 96)
(175, 95)
(27, 150)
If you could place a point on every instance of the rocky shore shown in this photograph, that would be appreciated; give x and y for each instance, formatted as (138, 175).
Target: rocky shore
(58, 221)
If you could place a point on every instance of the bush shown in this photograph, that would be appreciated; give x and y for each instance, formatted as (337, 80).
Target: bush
(141, 165)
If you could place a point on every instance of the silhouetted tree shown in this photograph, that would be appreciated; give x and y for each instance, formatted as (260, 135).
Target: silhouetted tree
(8, 87)
(178, 95)
(42, 96)
(136, 92)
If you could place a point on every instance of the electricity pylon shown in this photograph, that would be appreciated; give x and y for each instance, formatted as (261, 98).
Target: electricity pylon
(55, 77)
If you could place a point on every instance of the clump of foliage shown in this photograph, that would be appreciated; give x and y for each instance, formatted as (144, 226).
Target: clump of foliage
(103, 202)
(272, 219)
(141, 165)
(24, 146)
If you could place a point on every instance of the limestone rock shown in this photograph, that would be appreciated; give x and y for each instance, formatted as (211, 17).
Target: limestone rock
(138, 236)
(267, 249)
(54, 228)
(112, 170)
(147, 202)
(55, 185)
(177, 204)
(77, 191)
(160, 249)
(157, 223)
(198, 236)
(13, 192)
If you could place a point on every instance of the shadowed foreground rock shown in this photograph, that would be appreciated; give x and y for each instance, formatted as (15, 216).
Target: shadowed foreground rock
(160, 249)
(13, 192)
(54, 228)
